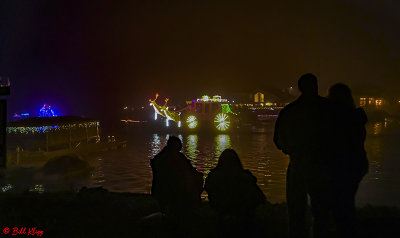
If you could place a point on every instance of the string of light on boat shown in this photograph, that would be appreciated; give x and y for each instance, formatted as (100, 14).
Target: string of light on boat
(44, 129)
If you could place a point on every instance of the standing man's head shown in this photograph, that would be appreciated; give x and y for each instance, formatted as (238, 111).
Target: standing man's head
(174, 143)
(308, 84)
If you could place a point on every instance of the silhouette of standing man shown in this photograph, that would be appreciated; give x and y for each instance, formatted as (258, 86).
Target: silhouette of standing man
(303, 131)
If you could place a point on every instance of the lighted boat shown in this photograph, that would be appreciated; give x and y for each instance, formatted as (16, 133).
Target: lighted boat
(205, 112)
(35, 140)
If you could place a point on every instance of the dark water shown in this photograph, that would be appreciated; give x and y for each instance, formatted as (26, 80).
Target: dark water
(128, 170)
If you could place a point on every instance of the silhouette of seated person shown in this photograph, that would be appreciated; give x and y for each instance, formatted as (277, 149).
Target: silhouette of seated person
(177, 185)
(351, 163)
(232, 191)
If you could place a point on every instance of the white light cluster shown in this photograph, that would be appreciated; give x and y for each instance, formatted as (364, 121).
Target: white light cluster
(215, 98)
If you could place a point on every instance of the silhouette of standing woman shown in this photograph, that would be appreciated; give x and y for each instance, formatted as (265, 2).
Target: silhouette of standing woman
(351, 162)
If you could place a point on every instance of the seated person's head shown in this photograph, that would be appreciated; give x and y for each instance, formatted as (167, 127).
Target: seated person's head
(174, 143)
(229, 160)
(308, 84)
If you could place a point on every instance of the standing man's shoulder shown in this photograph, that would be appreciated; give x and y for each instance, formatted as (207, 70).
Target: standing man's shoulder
(325, 103)
(324, 100)
(288, 108)
(292, 105)
(330, 108)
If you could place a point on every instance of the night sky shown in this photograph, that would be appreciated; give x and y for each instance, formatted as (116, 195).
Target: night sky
(92, 57)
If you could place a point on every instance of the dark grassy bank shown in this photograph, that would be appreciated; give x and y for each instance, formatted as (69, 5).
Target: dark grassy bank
(99, 213)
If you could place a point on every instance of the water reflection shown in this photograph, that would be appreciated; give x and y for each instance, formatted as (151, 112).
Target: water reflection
(375, 153)
(98, 173)
(378, 127)
(129, 170)
(155, 145)
(222, 142)
(191, 147)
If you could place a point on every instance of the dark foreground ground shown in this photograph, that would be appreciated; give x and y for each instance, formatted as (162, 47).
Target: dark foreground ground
(99, 213)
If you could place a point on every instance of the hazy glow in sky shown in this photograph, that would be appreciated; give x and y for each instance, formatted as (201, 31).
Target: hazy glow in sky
(87, 58)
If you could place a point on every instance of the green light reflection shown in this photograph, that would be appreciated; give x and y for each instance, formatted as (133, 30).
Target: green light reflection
(191, 147)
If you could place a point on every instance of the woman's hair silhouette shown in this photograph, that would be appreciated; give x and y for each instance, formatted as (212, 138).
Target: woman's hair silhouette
(341, 94)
